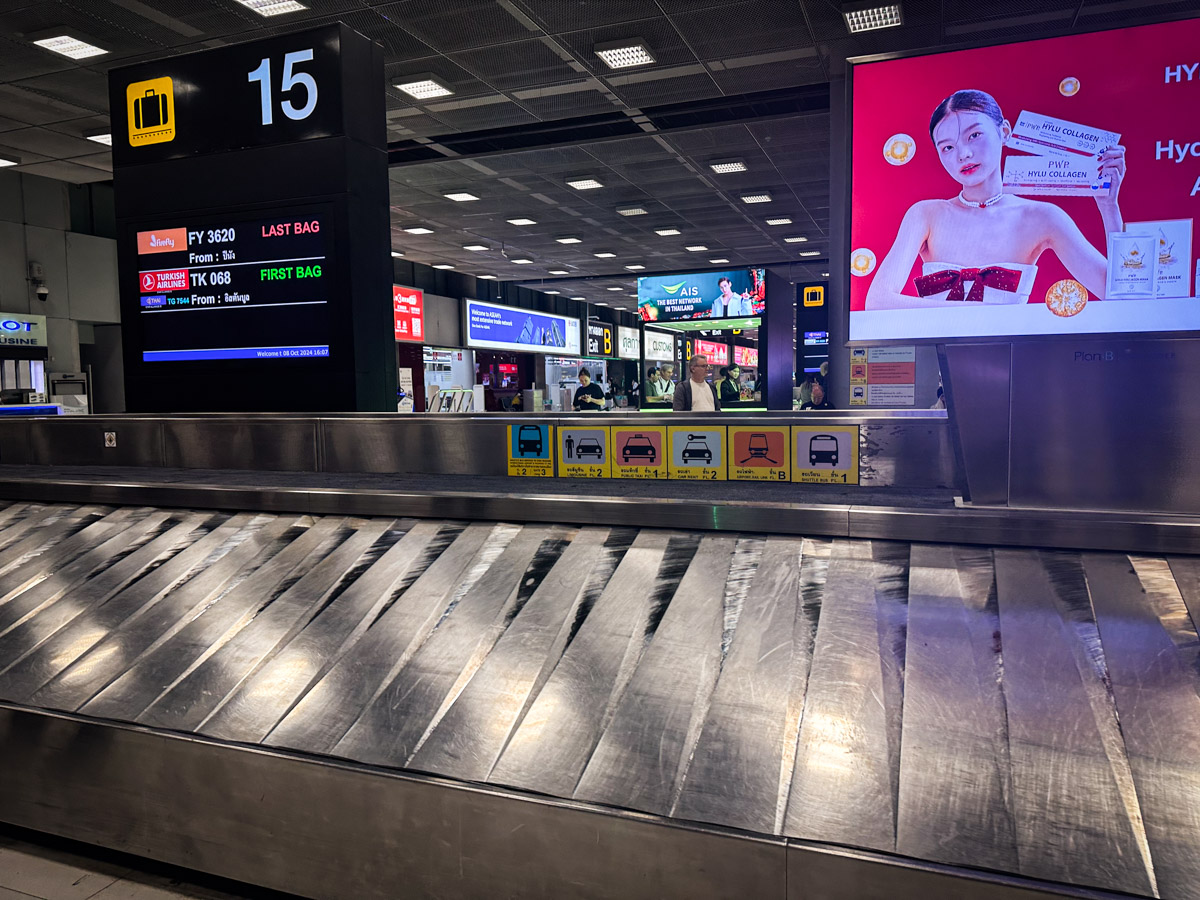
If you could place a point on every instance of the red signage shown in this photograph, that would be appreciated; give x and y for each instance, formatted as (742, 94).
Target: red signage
(408, 310)
(718, 354)
(745, 357)
(167, 240)
(159, 282)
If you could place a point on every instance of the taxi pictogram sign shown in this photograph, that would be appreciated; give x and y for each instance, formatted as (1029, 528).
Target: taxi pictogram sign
(151, 111)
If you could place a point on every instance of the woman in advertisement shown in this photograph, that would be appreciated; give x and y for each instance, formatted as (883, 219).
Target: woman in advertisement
(997, 236)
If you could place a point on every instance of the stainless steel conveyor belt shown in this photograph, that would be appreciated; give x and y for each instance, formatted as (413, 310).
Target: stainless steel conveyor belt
(1021, 711)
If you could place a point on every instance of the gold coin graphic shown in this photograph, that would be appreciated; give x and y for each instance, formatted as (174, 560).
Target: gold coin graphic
(862, 262)
(1066, 298)
(899, 149)
(1069, 87)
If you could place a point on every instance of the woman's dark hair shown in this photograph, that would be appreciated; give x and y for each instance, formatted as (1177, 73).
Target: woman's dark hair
(967, 101)
(724, 371)
(651, 371)
(583, 372)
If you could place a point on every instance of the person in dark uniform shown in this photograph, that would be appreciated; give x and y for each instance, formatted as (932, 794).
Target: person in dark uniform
(589, 397)
(730, 389)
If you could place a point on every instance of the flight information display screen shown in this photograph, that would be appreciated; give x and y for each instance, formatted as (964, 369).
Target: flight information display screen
(252, 287)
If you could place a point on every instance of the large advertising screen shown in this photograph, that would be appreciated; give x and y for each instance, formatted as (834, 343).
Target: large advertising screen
(244, 288)
(408, 313)
(737, 294)
(1046, 187)
(493, 327)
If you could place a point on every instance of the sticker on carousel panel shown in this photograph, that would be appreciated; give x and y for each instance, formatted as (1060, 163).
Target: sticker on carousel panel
(899, 149)
(1066, 298)
(1069, 87)
(862, 262)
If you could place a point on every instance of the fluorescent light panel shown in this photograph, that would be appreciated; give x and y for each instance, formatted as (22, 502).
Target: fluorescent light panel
(396, 254)
(696, 248)
(635, 267)
(605, 255)
(584, 184)
(569, 239)
(872, 18)
(418, 229)
(487, 277)
(666, 232)
(614, 289)
(759, 197)
(443, 266)
(796, 239)
(584, 298)
(460, 196)
(779, 220)
(553, 293)
(558, 272)
(718, 261)
(70, 47)
(103, 137)
(273, 7)
(6, 161)
(631, 211)
(424, 87)
(725, 166)
(625, 53)
(522, 221)
(810, 252)
(476, 247)
(520, 261)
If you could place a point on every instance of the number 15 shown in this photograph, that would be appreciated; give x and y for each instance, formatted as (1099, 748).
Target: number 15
(291, 79)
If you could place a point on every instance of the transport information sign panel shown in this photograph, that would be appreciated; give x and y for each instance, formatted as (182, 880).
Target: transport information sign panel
(531, 451)
(825, 454)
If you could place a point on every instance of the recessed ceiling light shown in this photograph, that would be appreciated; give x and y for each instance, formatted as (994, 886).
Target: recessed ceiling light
(418, 229)
(725, 166)
(718, 261)
(614, 289)
(522, 221)
(273, 7)
(101, 137)
(520, 261)
(6, 161)
(584, 184)
(810, 252)
(569, 239)
(796, 239)
(579, 298)
(824, 274)
(759, 197)
(424, 87)
(555, 293)
(487, 277)
(559, 272)
(871, 15)
(605, 255)
(598, 302)
(625, 53)
(632, 294)
(70, 47)
(779, 220)
(631, 211)
(635, 267)
(696, 248)
(460, 196)
(396, 254)
(476, 247)
(443, 266)
(666, 232)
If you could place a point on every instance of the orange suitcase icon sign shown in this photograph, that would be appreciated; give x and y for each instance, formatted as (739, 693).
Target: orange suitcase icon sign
(151, 111)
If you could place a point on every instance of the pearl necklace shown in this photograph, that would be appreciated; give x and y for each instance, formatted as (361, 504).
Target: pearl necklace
(990, 201)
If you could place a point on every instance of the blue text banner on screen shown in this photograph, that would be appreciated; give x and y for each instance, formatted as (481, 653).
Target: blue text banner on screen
(493, 327)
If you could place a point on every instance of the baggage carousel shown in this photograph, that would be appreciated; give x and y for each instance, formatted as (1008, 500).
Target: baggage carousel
(369, 706)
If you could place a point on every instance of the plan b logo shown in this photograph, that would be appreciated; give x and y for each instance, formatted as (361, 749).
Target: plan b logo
(151, 110)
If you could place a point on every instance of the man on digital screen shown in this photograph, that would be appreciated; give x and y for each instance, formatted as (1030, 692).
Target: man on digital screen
(727, 304)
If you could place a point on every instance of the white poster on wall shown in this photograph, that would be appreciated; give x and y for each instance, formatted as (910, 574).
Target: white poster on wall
(629, 342)
(660, 347)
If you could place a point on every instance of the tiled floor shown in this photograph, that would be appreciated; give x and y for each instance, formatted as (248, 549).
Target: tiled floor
(34, 867)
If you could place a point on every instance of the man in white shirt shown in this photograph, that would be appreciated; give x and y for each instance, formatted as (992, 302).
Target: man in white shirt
(697, 394)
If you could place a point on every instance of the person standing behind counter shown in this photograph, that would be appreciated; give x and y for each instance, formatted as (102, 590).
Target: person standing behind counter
(696, 394)
(589, 397)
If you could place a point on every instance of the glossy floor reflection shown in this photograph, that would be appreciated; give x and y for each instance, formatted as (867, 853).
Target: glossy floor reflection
(1024, 711)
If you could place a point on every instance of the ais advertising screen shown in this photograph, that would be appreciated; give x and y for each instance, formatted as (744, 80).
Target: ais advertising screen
(1036, 188)
(738, 294)
(245, 288)
(493, 327)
